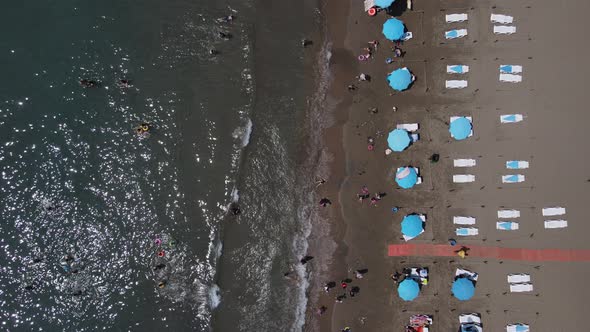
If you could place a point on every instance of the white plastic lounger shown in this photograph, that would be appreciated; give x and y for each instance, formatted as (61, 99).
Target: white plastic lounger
(502, 19)
(464, 162)
(510, 69)
(457, 33)
(411, 127)
(454, 18)
(457, 69)
(504, 29)
(407, 36)
(415, 137)
(511, 118)
(470, 318)
(472, 275)
(517, 164)
(507, 225)
(552, 224)
(463, 178)
(505, 214)
(471, 327)
(513, 178)
(519, 278)
(456, 84)
(510, 78)
(457, 220)
(520, 288)
(517, 328)
(467, 231)
(553, 211)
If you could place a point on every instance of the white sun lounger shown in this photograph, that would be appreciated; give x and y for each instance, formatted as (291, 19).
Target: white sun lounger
(517, 164)
(464, 162)
(504, 29)
(411, 127)
(507, 225)
(511, 118)
(513, 178)
(510, 69)
(520, 288)
(517, 328)
(454, 18)
(470, 318)
(463, 178)
(502, 19)
(472, 275)
(518, 278)
(457, 69)
(505, 214)
(552, 224)
(467, 231)
(369, 4)
(510, 78)
(415, 137)
(553, 211)
(456, 84)
(457, 33)
(458, 220)
(407, 36)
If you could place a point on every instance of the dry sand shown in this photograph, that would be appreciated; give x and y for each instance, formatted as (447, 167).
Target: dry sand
(550, 45)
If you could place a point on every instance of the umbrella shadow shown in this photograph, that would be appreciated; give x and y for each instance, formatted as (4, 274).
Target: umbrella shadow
(397, 8)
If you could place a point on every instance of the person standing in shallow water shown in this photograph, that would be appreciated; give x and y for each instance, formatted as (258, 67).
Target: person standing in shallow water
(325, 202)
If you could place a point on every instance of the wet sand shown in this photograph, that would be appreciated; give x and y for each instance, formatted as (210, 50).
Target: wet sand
(548, 44)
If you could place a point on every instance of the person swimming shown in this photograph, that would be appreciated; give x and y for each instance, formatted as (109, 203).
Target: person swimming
(143, 129)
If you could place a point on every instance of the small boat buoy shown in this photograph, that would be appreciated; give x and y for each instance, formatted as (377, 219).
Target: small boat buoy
(372, 11)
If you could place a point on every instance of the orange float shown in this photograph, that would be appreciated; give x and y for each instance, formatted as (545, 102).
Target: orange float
(372, 11)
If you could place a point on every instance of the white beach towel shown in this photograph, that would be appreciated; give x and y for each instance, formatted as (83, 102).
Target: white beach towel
(504, 29)
(552, 224)
(507, 225)
(472, 275)
(457, 69)
(470, 318)
(457, 33)
(518, 278)
(517, 328)
(502, 19)
(517, 164)
(510, 78)
(520, 288)
(458, 220)
(513, 178)
(466, 231)
(411, 127)
(505, 214)
(454, 18)
(463, 178)
(464, 162)
(511, 118)
(553, 211)
(455, 84)
(510, 69)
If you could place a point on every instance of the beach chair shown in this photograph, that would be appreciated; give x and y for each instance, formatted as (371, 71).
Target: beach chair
(462, 272)
(463, 178)
(457, 220)
(454, 18)
(505, 214)
(454, 34)
(411, 127)
(518, 278)
(455, 84)
(507, 225)
(517, 328)
(502, 19)
(415, 137)
(553, 211)
(510, 78)
(552, 224)
(464, 162)
(470, 318)
(466, 231)
(457, 69)
(521, 288)
(407, 36)
(517, 164)
(511, 118)
(471, 327)
(513, 178)
(510, 69)
(504, 29)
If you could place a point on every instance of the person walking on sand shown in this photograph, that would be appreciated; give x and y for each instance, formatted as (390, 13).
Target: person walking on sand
(462, 252)
(325, 202)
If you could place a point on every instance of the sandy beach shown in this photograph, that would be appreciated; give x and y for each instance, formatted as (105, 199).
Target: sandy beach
(549, 46)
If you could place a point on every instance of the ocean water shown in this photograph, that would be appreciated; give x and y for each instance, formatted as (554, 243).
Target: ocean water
(90, 209)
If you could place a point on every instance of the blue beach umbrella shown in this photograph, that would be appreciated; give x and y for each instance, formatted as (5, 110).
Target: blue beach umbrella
(384, 3)
(393, 29)
(406, 177)
(408, 289)
(463, 289)
(400, 79)
(412, 225)
(460, 128)
(398, 140)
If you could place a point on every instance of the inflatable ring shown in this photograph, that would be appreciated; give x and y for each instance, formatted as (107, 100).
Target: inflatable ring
(372, 11)
(161, 253)
(362, 57)
(370, 147)
(145, 128)
(158, 242)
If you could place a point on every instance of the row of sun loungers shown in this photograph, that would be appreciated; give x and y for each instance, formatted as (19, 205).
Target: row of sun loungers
(465, 221)
(501, 26)
(510, 73)
(553, 212)
(513, 178)
(517, 328)
(507, 225)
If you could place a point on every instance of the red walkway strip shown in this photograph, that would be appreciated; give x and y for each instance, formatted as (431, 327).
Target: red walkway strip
(533, 255)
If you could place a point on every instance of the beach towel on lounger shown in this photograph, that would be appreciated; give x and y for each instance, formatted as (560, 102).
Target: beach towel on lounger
(466, 231)
(510, 69)
(457, 33)
(517, 164)
(517, 328)
(511, 118)
(507, 225)
(513, 178)
(457, 69)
